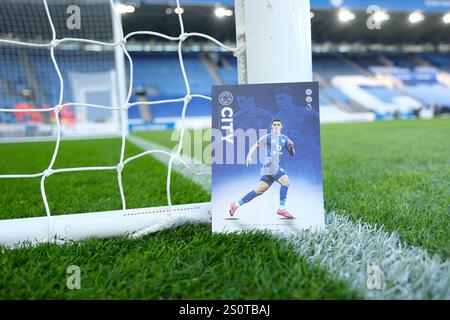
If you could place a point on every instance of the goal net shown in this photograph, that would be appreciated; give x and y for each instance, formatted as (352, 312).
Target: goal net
(65, 76)
(46, 63)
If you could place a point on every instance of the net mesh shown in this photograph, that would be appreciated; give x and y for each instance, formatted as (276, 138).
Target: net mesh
(48, 50)
(26, 66)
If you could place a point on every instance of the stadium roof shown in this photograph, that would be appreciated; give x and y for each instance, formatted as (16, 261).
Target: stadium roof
(405, 5)
(431, 26)
(326, 25)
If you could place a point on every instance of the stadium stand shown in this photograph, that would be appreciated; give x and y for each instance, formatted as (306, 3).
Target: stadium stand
(227, 69)
(402, 61)
(358, 90)
(330, 66)
(439, 60)
(422, 84)
(337, 95)
(163, 73)
(368, 61)
(330, 113)
(436, 95)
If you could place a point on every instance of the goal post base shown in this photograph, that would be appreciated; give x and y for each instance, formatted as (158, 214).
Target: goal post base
(74, 227)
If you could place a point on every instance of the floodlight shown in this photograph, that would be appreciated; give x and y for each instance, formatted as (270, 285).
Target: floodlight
(124, 8)
(345, 15)
(222, 12)
(381, 16)
(446, 18)
(416, 17)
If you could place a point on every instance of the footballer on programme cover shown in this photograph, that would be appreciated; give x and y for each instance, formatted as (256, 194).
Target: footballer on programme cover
(267, 171)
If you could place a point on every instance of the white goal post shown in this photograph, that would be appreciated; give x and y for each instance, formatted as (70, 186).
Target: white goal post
(273, 45)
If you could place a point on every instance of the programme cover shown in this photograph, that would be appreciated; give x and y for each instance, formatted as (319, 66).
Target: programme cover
(266, 172)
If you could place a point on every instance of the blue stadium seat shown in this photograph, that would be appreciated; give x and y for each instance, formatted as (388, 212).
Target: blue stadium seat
(331, 66)
(442, 61)
(196, 108)
(432, 94)
(163, 73)
(228, 73)
(337, 94)
(402, 61)
(384, 94)
(367, 61)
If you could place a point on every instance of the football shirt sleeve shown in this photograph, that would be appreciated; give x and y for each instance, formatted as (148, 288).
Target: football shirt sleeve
(290, 146)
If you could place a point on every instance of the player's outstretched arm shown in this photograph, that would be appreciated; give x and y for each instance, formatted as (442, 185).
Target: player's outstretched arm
(249, 159)
(291, 148)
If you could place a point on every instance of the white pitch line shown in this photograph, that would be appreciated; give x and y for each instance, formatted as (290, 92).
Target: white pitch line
(347, 250)
(202, 180)
(53, 139)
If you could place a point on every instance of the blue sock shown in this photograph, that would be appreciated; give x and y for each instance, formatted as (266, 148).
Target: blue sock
(249, 197)
(283, 195)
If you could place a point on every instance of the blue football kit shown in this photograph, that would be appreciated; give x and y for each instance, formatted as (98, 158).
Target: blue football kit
(277, 146)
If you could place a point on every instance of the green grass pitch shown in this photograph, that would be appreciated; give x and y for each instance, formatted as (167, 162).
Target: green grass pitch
(393, 174)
